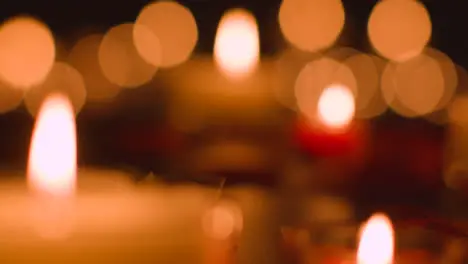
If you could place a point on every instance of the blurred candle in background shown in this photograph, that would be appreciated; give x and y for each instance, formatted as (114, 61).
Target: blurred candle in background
(228, 97)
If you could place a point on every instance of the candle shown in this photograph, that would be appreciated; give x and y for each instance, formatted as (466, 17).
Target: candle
(52, 220)
(230, 97)
(376, 241)
(234, 85)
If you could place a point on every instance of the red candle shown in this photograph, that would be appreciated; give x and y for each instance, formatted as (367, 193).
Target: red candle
(348, 145)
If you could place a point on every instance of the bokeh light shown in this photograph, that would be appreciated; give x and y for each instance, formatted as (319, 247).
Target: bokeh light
(458, 110)
(222, 221)
(449, 73)
(367, 74)
(317, 76)
(311, 25)
(288, 65)
(336, 106)
(10, 97)
(120, 61)
(27, 52)
(237, 47)
(399, 29)
(175, 33)
(414, 87)
(63, 79)
(341, 53)
(84, 57)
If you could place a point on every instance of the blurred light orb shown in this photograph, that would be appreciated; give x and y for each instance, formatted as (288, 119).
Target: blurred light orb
(388, 87)
(63, 79)
(84, 57)
(418, 84)
(10, 97)
(336, 106)
(175, 33)
(367, 74)
(222, 221)
(314, 78)
(27, 52)
(399, 29)
(458, 110)
(237, 46)
(311, 25)
(449, 73)
(119, 59)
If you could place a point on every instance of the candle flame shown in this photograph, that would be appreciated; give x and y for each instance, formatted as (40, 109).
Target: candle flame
(52, 156)
(336, 106)
(376, 243)
(236, 48)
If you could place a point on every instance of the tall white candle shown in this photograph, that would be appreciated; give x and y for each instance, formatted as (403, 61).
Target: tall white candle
(104, 220)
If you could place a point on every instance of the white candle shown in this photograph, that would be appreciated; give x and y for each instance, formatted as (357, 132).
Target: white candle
(232, 89)
(114, 222)
(232, 84)
(105, 219)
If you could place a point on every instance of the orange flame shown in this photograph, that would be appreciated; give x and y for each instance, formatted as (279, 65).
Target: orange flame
(336, 106)
(236, 47)
(52, 156)
(377, 241)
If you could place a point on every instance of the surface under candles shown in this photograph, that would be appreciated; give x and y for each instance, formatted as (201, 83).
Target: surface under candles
(112, 220)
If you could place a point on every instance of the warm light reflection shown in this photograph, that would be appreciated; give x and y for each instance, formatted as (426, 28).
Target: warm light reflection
(84, 57)
(222, 221)
(376, 244)
(27, 51)
(120, 60)
(52, 156)
(399, 29)
(236, 48)
(336, 106)
(458, 110)
(63, 79)
(316, 77)
(414, 87)
(311, 25)
(10, 97)
(173, 37)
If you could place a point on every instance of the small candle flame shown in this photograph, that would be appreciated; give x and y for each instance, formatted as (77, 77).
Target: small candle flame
(336, 106)
(52, 156)
(236, 47)
(376, 243)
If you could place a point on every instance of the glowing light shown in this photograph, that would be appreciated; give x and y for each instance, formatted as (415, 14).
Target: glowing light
(10, 97)
(222, 221)
(237, 47)
(314, 78)
(174, 31)
(414, 87)
(311, 25)
(376, 243)
(336, 106)
(84, 57)
(27, 52)
(63, 79)
(52, 156)
(399, 29)
(119, 59)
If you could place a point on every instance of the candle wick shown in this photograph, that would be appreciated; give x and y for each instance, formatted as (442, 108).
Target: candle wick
(221, 188)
